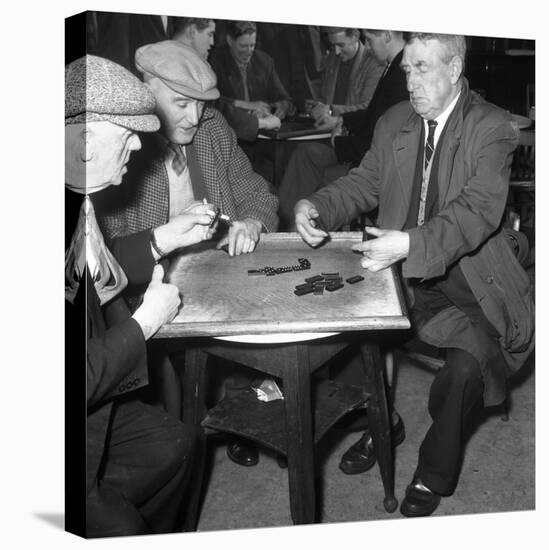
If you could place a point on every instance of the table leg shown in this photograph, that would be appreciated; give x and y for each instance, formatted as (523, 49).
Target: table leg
(299, 429)
(379, 421)
(193, 386)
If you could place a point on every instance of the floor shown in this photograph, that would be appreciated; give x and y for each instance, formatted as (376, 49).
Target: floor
(498, 470)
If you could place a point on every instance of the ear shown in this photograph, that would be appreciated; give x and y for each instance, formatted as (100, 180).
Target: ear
(193, 30)
(456, 68)
(86, 144)
(229, 40)
(388, 36)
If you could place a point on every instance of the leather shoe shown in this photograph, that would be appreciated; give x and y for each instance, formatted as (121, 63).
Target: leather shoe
(243, 452)
(360, 456)
(419, 501)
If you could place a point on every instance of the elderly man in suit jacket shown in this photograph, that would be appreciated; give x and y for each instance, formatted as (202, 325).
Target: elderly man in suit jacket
(127, 462)
(438, 170)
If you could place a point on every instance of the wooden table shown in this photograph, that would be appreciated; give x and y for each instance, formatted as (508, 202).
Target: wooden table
(258, 317)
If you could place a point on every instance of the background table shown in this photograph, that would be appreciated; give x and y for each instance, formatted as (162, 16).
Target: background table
(285, 139)
(221, 299)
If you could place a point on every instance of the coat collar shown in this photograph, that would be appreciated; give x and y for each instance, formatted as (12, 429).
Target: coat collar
(407, 142)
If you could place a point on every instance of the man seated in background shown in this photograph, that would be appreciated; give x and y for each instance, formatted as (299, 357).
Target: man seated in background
(349, 78)
(313, 165)
(195, 155)
(138, 460)
(438, 172)
(252, 95)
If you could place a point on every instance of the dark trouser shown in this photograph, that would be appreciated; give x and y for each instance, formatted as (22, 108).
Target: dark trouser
(146, 474)
(456, 397)
(304, 175)
(455, 404)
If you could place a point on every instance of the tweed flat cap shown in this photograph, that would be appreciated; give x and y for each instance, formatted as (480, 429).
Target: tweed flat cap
(99, 89)
(179, 67)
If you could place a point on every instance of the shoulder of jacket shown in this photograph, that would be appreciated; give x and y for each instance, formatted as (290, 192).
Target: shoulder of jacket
(399, 112)
(263, 57)
(479, 109)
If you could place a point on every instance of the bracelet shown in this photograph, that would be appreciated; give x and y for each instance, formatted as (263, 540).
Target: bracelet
(155, 246)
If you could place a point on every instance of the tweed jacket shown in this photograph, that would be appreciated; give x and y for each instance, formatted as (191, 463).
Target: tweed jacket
(219, 169)
(365, 75)
(473, 180)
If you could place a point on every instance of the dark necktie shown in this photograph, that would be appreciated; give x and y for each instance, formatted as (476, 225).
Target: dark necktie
(430, 145)
(179, 161)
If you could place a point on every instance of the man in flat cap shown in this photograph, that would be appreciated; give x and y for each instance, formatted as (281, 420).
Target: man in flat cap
(195, 155)
(437, 172)
(138, 460)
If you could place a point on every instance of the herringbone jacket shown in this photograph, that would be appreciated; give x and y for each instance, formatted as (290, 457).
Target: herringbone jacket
(220, 171)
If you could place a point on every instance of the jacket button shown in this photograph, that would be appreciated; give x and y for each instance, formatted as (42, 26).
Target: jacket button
(489, 279)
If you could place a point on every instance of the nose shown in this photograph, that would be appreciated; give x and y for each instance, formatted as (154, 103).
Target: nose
(193, 114)
(411, 82)
(337, 50)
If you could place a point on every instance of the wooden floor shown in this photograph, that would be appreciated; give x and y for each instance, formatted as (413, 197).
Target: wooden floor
(498, 470)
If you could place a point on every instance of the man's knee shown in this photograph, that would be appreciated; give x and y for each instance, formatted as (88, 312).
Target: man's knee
(462, 366)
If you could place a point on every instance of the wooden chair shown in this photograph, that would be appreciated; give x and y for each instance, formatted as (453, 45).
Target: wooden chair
(522, 184)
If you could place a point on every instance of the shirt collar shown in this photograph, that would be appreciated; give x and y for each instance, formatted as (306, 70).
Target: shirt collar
(443, 117)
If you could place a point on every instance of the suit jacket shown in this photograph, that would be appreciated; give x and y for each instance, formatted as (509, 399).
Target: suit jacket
(391, 89)
(264, 84)
(473, 180)
(365, 75)
(220, 171)
(116, 358)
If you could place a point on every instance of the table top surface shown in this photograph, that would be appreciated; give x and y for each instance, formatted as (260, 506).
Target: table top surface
(221, 299)
(298, 129)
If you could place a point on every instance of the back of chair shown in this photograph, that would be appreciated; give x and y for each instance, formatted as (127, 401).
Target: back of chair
(523, 166)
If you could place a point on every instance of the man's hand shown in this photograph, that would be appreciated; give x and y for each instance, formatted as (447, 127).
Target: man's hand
(283, 108)
(242, 237)
(326, 123)
(258, 108)
(310, 104)
(320, 110)
(268, 122)
(338, 130)
(305, 221)
(186, 229)
(160, 304)
(389, 247)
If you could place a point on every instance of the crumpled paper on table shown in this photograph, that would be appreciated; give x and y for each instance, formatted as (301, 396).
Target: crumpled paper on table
(268, 391)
